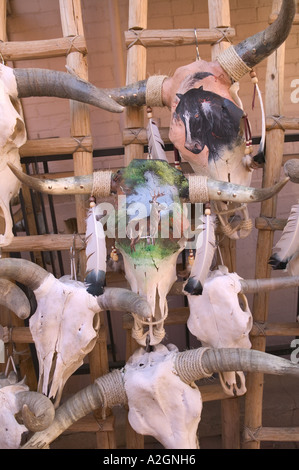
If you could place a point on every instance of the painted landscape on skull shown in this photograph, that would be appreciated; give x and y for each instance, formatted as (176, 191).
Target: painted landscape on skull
(153, 212)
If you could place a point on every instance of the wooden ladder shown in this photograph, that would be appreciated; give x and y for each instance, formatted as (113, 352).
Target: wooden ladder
(79, 144)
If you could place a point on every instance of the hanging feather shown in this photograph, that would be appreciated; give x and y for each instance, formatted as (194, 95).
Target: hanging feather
(156, 147)
(205, 250)
(96, 254)
(285, 254)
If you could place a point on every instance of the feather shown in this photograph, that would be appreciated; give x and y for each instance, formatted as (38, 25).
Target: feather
(285, 254)
(96, 254)
(155, 142)
(205, 250)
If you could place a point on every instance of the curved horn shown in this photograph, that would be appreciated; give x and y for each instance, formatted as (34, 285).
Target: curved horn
(72, 185)
(251, 286)
(115, 298)
(203, 362)
(106, 391)
(23, 271)
(291, 169)
(215, 190)
(259, 46)
(42, 82)
(37, 410)
(14, 299)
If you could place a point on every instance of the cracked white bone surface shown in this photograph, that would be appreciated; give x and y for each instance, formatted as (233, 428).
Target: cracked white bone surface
(160, 404)
(10, 430)
(12, 137)
(63, 330)
(218, 321)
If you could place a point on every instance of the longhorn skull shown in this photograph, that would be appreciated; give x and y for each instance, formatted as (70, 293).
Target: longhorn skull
(189, 366)
(65, 324)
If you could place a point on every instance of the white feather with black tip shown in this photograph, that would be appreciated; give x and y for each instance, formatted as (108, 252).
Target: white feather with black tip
(285, 254)
(205, 251)
(96, 253)
(155, 142)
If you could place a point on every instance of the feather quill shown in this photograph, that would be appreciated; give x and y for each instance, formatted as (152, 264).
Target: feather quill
(96, 254)
(155, 141)
(205, 250)
(285, 254)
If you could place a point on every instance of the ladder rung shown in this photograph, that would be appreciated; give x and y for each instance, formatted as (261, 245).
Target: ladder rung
(56, 146)
(43, 49)
(177, 37)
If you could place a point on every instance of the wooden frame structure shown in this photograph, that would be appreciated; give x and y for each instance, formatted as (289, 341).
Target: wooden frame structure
(137, 39)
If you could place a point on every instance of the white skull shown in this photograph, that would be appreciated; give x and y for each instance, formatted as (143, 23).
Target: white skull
(12, 137)
(64, 330)
(10, 430)
(160, 404)
(218, 321)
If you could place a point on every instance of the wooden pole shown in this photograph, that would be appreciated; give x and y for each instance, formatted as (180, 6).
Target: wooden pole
(219, 17)
(72, 26)
(272, 167)
(136, 70)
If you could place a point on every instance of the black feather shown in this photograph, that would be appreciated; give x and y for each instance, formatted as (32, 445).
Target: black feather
(276, 263)
(95, 282)
(193, 286)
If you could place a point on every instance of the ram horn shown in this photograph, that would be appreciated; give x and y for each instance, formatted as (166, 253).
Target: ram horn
(14, 299)
(43, 82)
(203, 362)
(23, 271)
(37, 410)
(259, 46)
(115, 298)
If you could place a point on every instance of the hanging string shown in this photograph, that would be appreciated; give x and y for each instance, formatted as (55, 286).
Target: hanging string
(196, 45)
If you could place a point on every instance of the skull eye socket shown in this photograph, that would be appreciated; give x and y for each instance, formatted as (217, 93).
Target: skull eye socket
(96, 322)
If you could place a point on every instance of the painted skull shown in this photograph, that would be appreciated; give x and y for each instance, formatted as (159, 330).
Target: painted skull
(150, 235)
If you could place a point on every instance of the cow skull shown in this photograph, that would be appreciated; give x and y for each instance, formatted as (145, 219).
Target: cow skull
(12, 137)
(22, 410)
(157, 395)
(218, 321)
(65, 324)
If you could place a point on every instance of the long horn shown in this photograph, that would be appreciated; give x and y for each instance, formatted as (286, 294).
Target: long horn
(251, 286)
(23, 271)
(115, 298)
(210, 190)
(14, 298)
(37, 410)
(203, 189)
(60, 186)
(259, 46)
(106, 392)
(42, 82)
(203, 362)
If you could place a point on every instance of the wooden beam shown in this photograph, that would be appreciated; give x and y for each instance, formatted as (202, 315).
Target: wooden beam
(177, 37)
(276, 434)
(43, 49)
(52, 242)
(56, 146)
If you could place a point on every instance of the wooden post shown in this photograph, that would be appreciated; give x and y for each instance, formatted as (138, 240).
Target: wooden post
(72, 25)
(219, 16)
(136, 70)
(272, 168)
